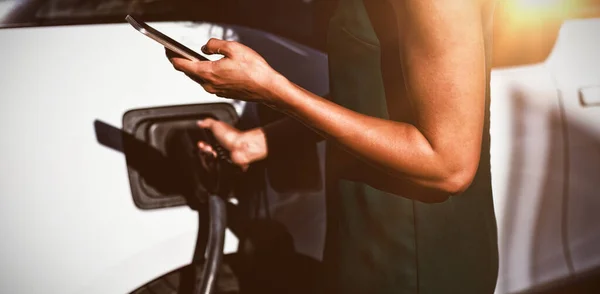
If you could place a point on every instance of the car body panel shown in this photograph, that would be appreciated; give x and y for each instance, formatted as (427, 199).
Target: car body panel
(527, 165)
(575, 66)
(66, 206)
(545, 163)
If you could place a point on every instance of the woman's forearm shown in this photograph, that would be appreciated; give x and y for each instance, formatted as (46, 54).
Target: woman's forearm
(398, 148)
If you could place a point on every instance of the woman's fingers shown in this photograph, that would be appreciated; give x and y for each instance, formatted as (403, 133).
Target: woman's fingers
(224, 133)
(206, 148)
(217, 46)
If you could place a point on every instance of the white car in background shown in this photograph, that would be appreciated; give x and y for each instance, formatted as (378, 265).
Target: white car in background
(546, 143)
(72, 72)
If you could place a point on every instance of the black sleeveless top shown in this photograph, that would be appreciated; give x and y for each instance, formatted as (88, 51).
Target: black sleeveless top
(382, 243)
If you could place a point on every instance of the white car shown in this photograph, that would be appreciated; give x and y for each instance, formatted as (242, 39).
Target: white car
(75, 217)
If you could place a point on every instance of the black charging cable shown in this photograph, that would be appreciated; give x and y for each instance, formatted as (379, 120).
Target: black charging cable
(215, 177)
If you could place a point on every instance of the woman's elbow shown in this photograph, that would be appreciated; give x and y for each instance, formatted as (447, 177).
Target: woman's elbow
(459, 179)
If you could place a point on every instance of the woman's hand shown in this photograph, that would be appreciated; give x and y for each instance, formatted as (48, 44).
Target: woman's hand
(244, 147)
(241, 74)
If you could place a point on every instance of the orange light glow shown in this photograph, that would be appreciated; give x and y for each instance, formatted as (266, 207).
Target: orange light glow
(525, 30)
(552, 9)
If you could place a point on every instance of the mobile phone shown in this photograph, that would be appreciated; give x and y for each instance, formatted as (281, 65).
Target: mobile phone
(164, 40)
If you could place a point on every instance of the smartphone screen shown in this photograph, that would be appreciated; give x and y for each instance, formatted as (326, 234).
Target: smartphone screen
(164, 40)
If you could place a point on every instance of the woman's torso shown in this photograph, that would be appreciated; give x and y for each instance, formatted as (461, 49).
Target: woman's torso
(378, 242)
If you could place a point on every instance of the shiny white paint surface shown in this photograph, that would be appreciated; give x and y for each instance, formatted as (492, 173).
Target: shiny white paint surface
(576, 66)
(527, 165)
(546, 163)
(66, 214)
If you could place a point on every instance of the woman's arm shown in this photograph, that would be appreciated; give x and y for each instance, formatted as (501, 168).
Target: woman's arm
(443, 61)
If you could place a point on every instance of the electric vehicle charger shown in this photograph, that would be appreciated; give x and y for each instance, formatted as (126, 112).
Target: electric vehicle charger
(266, 260)
(215, 177)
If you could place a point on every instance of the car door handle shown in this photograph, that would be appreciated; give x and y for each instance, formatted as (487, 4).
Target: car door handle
(589, 96)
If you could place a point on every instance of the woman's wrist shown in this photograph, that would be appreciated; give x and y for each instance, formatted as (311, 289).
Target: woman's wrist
(277, 87)
(253, 145)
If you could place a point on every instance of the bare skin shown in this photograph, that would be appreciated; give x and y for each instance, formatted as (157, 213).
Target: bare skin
(442, 58)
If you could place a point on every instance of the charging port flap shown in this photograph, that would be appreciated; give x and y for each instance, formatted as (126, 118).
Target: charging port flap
(153, 151)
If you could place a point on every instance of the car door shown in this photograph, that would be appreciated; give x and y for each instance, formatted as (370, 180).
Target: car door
(576, 69)
(527, 176)
(71, 223)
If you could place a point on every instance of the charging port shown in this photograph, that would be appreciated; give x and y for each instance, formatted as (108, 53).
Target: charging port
(154, 154)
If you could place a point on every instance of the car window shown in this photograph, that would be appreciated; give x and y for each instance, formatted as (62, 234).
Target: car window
(303, 21)
(55, 9)
(61, 12)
